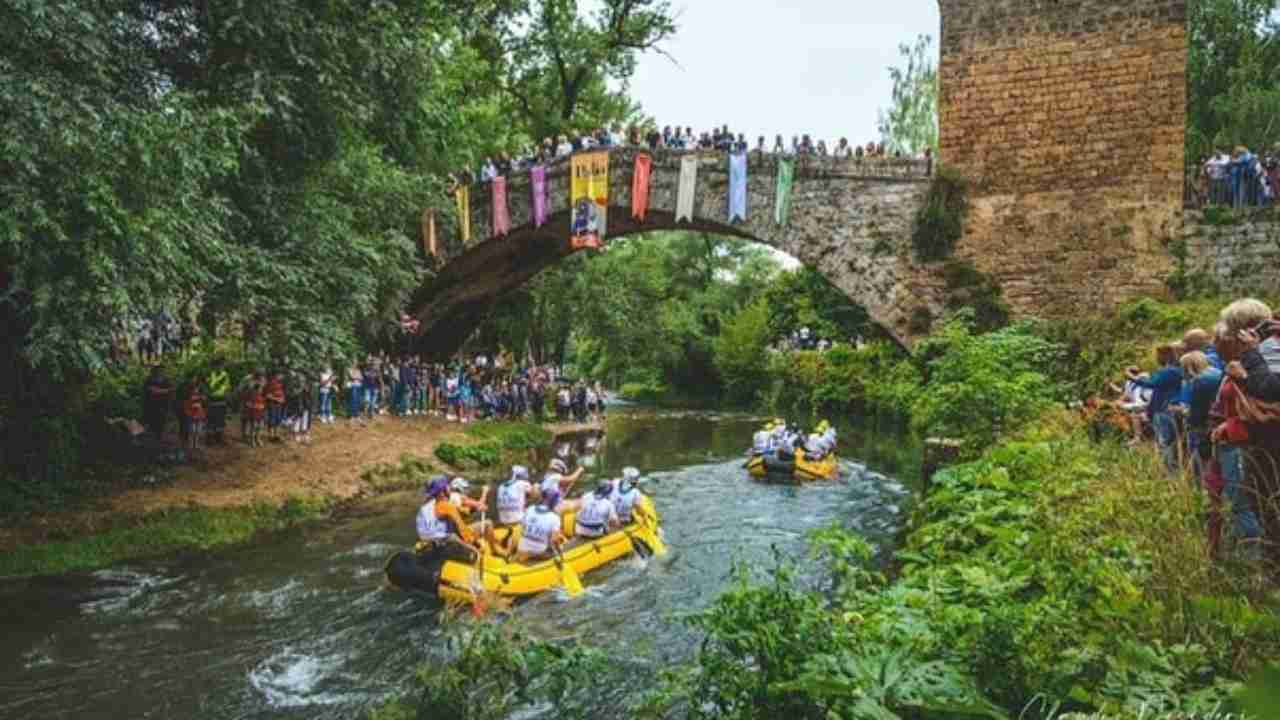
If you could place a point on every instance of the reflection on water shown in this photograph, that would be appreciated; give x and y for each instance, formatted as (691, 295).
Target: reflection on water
(299, 627)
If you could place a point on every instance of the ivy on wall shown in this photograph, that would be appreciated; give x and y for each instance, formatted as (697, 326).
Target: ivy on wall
(940, 223)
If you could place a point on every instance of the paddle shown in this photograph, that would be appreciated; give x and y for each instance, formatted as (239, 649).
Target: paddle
(568, 576)
(477, 584)
(649, 533)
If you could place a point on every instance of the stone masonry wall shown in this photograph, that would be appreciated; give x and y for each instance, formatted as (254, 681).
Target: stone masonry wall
(1068, 118)
(1240, 254)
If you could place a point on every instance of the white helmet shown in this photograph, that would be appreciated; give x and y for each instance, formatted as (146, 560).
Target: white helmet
(519, 472)
(558, 465)
(459, 485)
(630, 474)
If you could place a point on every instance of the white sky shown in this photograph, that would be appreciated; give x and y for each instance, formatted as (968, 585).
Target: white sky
(781, 66)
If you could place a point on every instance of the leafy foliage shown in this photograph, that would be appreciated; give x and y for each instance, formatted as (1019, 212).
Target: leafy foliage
(910, 125)
(1233, 75)
(939, 223)
(1051, 575)
(492, 671)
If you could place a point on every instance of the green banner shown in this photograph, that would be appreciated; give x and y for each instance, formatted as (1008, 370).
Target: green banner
(786, 175)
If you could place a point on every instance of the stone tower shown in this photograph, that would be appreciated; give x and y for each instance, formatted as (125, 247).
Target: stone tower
(1068, 117)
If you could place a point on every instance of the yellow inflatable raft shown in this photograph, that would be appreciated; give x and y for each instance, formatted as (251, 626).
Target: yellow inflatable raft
(801, 469)
(461, 574)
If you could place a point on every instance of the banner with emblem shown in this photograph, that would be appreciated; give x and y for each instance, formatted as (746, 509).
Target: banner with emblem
(589, 199)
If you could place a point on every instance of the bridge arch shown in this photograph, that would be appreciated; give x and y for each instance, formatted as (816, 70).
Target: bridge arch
(850, 220)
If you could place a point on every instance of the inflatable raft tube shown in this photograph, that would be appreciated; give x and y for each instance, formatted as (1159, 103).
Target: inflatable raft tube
(801, 469)
(457, 574)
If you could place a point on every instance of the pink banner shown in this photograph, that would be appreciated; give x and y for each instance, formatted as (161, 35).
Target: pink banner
(538, 175)
(501, 218)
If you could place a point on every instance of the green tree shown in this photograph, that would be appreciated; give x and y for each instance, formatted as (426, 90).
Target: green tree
(1233, 75)
(742, 353)
(910, 124)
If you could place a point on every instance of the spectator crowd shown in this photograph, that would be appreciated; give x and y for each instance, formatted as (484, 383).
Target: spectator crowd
(281, 403)
(1239, 179)
(1212, 407)
(557, 149)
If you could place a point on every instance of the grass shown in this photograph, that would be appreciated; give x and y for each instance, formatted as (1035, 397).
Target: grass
(159, 533)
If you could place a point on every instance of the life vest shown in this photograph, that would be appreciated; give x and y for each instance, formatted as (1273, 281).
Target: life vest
(540, 525)
(593, 519)
(760, 442)
(512, 498)
(430, 527)
(624, 503)
(813, 447)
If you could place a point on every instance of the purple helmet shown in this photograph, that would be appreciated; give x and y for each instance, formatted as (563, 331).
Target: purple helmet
(439, 485)
(551, 499)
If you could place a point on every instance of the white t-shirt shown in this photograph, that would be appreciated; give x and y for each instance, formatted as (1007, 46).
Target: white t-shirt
(594, 516)
(512, 500)
(624, 503)
(430, 527)
(539, 527)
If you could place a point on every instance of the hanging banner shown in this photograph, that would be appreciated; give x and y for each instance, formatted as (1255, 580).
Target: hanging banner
(538, 181)
(589, 199)
(786, 176)
(501, 216)
(463, 196)
(688, 182)
(738, 187)
(640, 187)
(429, 233)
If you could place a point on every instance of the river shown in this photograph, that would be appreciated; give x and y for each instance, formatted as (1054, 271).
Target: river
(298, 625)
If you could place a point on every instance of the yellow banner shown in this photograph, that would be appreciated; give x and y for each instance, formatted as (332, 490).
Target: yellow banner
(589, 198)
(463, 196)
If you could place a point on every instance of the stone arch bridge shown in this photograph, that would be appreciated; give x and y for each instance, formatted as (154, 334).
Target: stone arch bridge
(1066, 117)
(850, 219)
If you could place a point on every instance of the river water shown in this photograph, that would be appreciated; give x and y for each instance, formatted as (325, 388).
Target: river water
(298, 625)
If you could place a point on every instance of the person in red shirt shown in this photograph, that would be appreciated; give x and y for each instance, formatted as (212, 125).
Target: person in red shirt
(254, 408)
(195, 412)
(274, 393)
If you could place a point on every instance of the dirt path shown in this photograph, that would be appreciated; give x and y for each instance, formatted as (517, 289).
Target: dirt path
(237, 475)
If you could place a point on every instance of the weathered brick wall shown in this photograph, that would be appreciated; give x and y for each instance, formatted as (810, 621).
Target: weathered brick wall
(1069, 118)
(1241, 254)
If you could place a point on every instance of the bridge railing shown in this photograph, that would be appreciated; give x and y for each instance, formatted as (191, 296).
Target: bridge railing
(808, 165)
(1250, 190)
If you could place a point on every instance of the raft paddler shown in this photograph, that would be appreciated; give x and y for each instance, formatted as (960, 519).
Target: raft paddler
(597, 515)
(559, 478)
(439, 522)
(458, 488)
(627, 496)
(760, 441)
(513, 503)
(541, 532)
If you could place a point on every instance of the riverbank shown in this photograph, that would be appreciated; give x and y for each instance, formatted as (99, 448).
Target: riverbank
(230, 493)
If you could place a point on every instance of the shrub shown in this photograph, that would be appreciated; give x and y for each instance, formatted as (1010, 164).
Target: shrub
(487, 454)
(741, 353)
(940, 222)
(981, 386)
